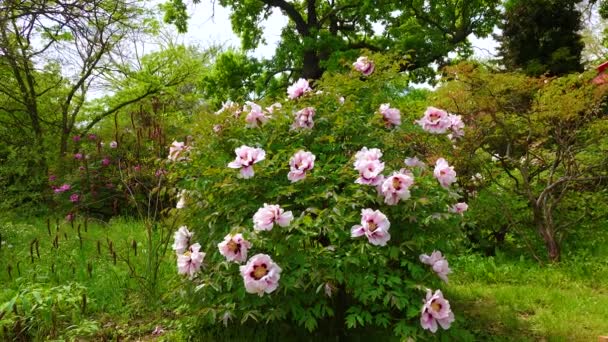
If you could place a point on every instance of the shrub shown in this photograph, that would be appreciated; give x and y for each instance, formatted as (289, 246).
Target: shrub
(325, 279)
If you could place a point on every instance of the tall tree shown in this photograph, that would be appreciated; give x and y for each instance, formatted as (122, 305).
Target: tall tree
(318, 30)
(541, 36)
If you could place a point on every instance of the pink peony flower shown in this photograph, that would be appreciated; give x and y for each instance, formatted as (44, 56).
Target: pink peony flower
(304, 118)
(267, 216)
(92, 137)
(364, 65)
(228, 105)
(74, 198)
(256, 117)
(435, 121)
(459, 208)
(396, 188)
(438, 263)
(414, 162)
(181, 240)
(234, 248)
(367, 162)
(78, 156)
(370, 172)
(374, 225)
(245, 158)
(177, 150)
(76, 138)
(113, 144)
(456, 126)
(367, 154)
(392, 116)
(190, 262)
(260, 274)
(270, 109)
(298, 89)
(444, 173)
(105, 161)
(436, 310)
(52, 178)
(300, 163)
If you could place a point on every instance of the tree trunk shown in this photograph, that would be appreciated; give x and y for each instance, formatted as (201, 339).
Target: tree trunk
(546, 229)
(311, 70)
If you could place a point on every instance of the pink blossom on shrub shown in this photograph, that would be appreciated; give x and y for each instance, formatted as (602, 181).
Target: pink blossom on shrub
(397, 187)
(190, 261)
(364, 65)
(414, 162)
(270, 109)
(304, 118)
(78, 156)
(113, 144)
(300, 163)
(438, 263)
(52, 178)
(392, 116)
(374, 225)
(436, 310)
(444, 173)
(260, 274)
(298, 88)
(92, 137)
(234, 248)
(256, 117)
(369, 171)
(267, 216)
(177, 150)
(74, 198)
(76, 138)
(435, 121)
(181, 240)
(459, 208)
(228, 105)
(456, 126)
(245, 158)
(367, 154)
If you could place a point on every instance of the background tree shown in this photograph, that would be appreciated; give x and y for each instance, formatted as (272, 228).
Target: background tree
(541, 36)
(542, 134)
(318, 32)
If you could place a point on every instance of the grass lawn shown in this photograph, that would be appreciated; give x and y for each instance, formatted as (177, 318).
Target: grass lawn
(70, 286)
(519, 301)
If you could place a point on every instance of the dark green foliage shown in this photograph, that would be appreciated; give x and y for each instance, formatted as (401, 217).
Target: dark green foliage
(419, 32)
(541, 37)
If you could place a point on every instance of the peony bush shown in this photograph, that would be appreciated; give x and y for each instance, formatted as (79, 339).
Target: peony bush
(321, 210)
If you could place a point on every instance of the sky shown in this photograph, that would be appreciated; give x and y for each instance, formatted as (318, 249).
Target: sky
(208, 25)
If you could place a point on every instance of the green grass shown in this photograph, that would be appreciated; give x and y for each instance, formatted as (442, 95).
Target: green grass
(494, 298)
(521, 301)
(116, 293)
